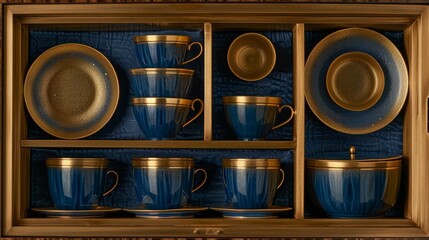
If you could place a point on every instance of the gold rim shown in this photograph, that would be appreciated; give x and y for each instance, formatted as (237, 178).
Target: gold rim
(77, 162)
(76, 118)
(162, 39)
(161, 101)
(355, 81)
(251, 100)
(180, 71)
(163, 163)
(360, 164)
(261, 163)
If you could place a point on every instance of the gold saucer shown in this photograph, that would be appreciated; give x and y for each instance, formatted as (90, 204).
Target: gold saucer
(251, 56)
(355, 81)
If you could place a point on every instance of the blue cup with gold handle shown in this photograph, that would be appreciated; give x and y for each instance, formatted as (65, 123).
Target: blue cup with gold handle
(251, 183)
(253, 117)
(165, 183)
(161, 82)
(163, 118)
(165, 51)
(78, 183)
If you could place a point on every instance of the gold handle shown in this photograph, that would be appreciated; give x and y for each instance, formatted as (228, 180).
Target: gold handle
(283, 179)
(202, 183)
(193, 109)
(292, 113)
(198, 55)
(115, 184)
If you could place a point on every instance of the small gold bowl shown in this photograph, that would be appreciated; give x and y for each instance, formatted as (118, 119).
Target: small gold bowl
(251, 56)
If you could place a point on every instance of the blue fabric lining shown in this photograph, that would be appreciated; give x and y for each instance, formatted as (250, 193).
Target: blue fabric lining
(118, 47)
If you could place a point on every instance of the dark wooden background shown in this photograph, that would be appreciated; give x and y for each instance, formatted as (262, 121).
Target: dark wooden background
(183, 1)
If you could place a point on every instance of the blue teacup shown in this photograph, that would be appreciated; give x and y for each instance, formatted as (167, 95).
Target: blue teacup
(78, 183)
(164, 51)
(163, 118)
(253, 117)
(161, 82)
(164, 183)
(251, 183)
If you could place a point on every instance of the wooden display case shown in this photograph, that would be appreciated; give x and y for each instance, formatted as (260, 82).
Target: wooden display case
(211, 20)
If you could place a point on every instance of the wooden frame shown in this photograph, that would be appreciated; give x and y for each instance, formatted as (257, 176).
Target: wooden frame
(413, 20)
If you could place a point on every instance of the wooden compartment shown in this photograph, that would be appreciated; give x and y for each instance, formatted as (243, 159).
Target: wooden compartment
(30, 29)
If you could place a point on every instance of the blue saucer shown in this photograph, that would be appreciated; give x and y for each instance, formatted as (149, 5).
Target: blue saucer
(271, 212)
(186, 212)
(91, 213)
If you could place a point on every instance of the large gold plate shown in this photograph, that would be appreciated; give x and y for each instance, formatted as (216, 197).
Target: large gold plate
(378, 112)
(71, 91)
(355, 81)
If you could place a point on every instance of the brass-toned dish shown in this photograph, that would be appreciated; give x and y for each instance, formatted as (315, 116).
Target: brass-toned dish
(251, 56)
(355, 81)
(393, 96)
(71, 91)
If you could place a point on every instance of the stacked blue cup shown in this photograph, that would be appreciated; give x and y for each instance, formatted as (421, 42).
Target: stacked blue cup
(161, 87)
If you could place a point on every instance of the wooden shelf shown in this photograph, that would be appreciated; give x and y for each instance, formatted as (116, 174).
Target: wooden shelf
(412, 21)
(177, 144)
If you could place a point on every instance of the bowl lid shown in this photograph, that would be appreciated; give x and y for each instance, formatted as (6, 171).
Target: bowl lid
(77, 162)
(353, 160)
(154, 162)
(264, 163)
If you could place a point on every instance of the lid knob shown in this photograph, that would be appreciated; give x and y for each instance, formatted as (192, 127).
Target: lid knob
(352, 153)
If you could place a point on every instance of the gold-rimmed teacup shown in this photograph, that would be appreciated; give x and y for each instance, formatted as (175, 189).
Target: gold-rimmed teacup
(78, 183)
(163, 118)
(161, 82)
(165, 183)
(253, 117)
(165, 51)
(251, 56)
(263, 176)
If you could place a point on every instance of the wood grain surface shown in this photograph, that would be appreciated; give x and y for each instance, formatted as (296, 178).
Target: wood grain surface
(178, 1)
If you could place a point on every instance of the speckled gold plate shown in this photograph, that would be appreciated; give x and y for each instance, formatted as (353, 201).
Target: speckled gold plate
(71, 91)
(251, 56)
(373, 114)
(355, 81)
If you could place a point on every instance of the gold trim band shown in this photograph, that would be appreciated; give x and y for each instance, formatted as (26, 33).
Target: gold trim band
(251, 100)
(161, 101)
(180, 71)
(352, 163)
(259, 163)
(162, 162)
(162, 39)
(77, 162)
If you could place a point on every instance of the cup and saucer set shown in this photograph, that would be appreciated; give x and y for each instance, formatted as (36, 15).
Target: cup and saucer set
(76, 186)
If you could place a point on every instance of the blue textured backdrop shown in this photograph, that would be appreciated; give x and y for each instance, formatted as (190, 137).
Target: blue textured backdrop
(119, 49)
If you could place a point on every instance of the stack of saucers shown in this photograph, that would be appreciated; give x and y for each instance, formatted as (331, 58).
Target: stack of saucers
(161, 87)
